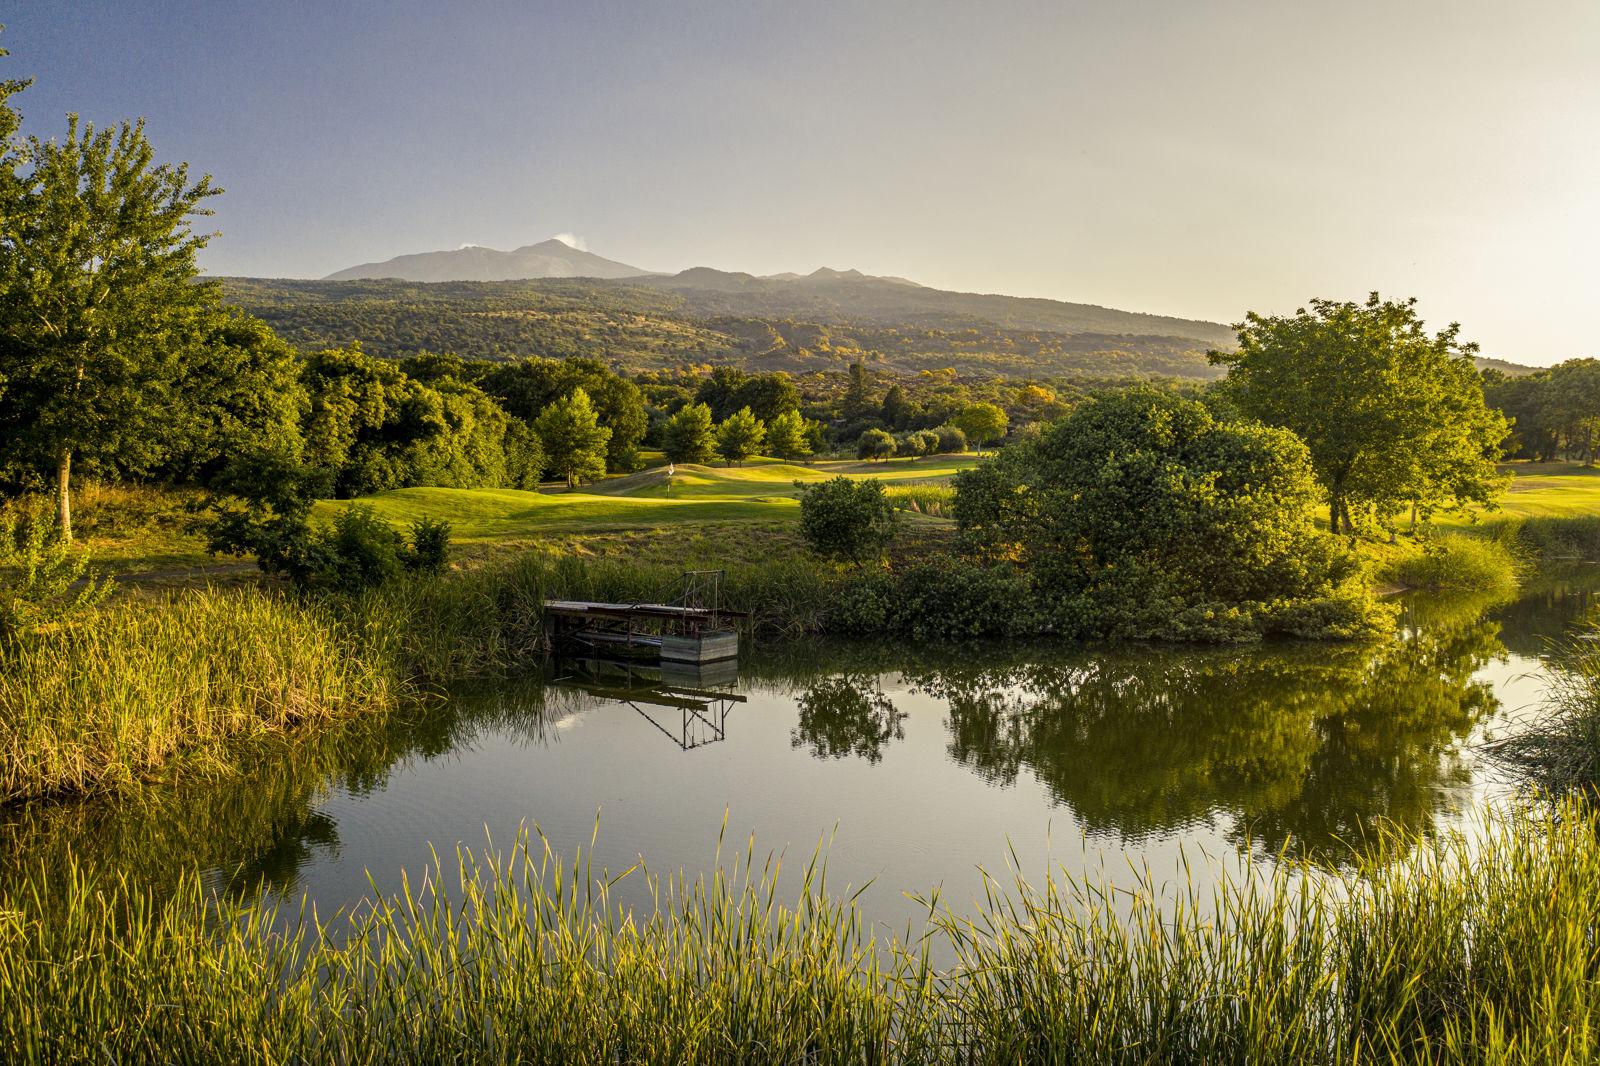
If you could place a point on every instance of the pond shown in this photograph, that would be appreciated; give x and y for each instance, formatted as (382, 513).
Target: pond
(912, 767)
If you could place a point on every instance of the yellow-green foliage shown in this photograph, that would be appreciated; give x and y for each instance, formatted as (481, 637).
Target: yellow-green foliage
(1457, 561)
(1450, 951)
(101, 702)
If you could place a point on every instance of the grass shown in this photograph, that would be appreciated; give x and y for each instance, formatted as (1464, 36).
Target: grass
(1453, 562)
(1446, 952)
(106, 700)
(1561, 751)
(694, 495)
(99, 704)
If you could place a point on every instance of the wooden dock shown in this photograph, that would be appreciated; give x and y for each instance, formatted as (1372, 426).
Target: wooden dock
(670, 632)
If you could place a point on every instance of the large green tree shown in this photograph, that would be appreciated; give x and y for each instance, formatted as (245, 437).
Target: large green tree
(1141, 515)
(574, 440)
(1392, 415)
(526, 388)
(983, 423)
(688, 437)
(99, 300)
(786, 436)
(740, 436)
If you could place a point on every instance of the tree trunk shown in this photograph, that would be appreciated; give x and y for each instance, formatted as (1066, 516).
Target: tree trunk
(64, 494)
(1333, 514)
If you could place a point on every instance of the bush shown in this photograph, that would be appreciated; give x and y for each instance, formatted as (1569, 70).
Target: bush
(945, 601)
(268, 514)
(1141, 516)
(846, 519)
(430, 546)
(1458, 561)
(43, 578)
(952, 439)
(875, 444)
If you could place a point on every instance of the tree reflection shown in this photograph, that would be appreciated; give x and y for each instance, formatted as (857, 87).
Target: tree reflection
(847, 714)
(1298, 747)
(258, 822)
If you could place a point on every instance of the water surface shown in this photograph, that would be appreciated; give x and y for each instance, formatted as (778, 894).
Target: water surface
(915, 766)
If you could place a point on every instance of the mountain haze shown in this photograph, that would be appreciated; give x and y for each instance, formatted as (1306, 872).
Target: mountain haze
(547, 259)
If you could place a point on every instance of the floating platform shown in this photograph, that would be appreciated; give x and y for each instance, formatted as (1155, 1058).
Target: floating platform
(664, 631)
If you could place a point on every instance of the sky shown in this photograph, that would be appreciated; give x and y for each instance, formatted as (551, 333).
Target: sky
(1183, 157)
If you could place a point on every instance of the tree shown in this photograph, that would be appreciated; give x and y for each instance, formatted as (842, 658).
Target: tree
(846, 518)
(857, 401)
(786, 436)
(526, 388)
(740, 436)
(1391, 415)
(875, 444)
(574, 441)
(1141, 515)
(951, 440)
(687, 437)
(376, 428)
(896, 409)
(242, 391)
(98, 300)
(720, 391)
(983, 423)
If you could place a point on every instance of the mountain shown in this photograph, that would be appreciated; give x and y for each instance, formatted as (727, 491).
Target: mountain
(547, 259)
(849, 296)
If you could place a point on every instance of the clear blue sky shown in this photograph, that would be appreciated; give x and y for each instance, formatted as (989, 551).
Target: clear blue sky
(1188, 158)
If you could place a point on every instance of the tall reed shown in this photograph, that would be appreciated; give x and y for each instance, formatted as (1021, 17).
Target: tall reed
(102, 701)
(1439, 951)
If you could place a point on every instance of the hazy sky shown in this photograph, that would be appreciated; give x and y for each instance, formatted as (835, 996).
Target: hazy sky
(1188, 158)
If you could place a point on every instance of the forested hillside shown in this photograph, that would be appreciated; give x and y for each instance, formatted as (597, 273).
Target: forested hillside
(798, 325)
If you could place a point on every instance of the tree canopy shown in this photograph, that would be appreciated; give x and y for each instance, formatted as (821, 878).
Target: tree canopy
(1391, 415)
(688, 437)
(99, 299)
(574, 441)
(1142, 515)
(740, 436)
(983, 423)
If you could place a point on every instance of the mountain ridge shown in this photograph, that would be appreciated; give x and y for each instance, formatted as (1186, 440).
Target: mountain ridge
(551, 258)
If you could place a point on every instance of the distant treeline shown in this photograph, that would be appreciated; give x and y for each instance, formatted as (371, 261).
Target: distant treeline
(1555, 412)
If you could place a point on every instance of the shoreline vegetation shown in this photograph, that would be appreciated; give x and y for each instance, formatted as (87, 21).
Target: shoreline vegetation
(101, 701)
(1430, 950)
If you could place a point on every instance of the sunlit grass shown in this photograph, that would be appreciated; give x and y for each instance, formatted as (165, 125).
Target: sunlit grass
(1439, 950)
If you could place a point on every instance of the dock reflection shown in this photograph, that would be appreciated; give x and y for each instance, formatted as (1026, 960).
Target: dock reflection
(687, 703)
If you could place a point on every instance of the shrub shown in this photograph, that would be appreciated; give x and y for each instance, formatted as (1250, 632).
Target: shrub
(44, 579)
(846, 519)
(874, 444)
(952, 439)
(945, 600)
(1142, 516)
(1459, 561)
(430, 546)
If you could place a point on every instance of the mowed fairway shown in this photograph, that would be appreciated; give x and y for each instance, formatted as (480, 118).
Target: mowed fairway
(760, 491)
(1552, 490)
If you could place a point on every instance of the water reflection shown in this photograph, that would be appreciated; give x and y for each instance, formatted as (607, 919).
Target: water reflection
(847, 714)
(675, 698)
(1306, 748)
(927, 754)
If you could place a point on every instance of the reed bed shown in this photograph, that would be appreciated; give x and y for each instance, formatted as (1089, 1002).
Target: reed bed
(932, 498)
(1460, 562)
(1447, 951)
(101, 702)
